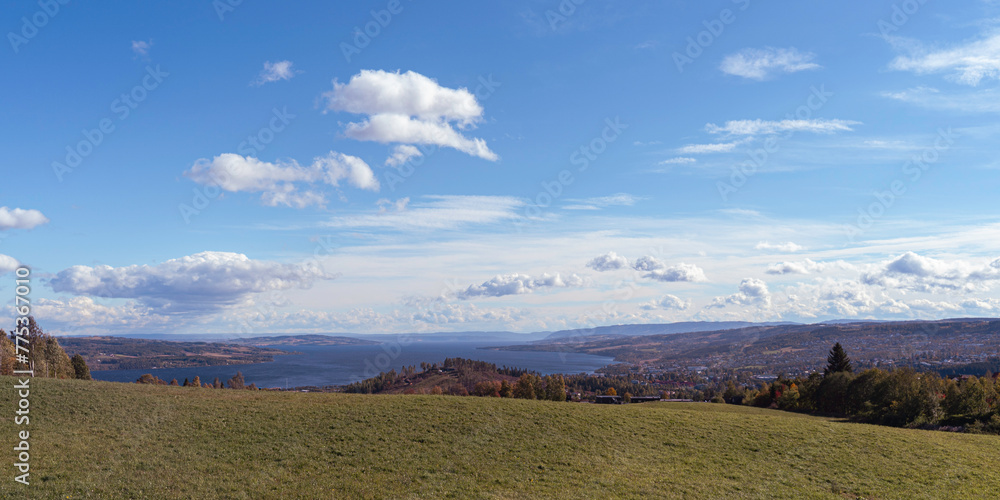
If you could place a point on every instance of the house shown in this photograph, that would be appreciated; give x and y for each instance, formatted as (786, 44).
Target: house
(608, 400)
(644, 399)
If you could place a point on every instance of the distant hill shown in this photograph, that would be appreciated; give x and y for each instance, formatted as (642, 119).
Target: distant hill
(793, 348)
(301, 340)
(654, 329)
(120, 353)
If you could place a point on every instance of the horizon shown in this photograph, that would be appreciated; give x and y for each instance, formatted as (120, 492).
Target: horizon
(394, 167)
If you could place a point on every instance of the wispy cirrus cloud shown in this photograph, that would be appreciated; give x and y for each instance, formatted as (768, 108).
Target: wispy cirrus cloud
(765, 127)
(762, 64)
(969, 63)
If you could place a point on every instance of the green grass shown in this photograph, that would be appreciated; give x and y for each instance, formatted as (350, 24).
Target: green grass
(106, 440)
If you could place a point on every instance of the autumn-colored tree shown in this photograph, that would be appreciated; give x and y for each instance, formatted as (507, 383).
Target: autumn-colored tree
(555, 388)
(217, 384)
(437, 390)
(174, 382)
(7, 353)
(627, 398)
(237, 382)
(524, 388)
(611, 392)
(80, 368)
(506, 391)
(149, 378)
(196, 382)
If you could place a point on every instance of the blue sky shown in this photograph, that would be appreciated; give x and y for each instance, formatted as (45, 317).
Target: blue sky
(537, 165)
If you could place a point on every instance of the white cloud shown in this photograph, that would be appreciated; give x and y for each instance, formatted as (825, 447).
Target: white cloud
(620, 199)
(199, 283)
(679, 272)
(389, 128)
(912, 271)
(648, 263)
(759, 127)
(761, 64)
(277, 182)
(608, 262)
(968, 64)
(439, 212)
(401, 154)
(807, 266)
(8, 264)
(84, 315)
(698, 149)
(386, 205)
(979, 101)
(517, 284)
(141, 48)
(19, 218)
(752, 292)
(668, 302)
(781, 247)
(275, 71)
(682, 160)
(408, 108)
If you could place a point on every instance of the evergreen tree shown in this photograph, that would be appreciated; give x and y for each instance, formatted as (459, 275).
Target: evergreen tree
(837, 361)
(187, 383)
(80, 368)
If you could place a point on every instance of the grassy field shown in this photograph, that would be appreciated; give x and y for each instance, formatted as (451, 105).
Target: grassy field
(106, 440)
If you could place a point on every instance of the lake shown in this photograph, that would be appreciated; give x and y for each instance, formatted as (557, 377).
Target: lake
(338, 365)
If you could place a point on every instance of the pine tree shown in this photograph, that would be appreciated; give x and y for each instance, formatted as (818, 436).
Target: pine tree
(80, 368)
(187, 383)
(837, 361)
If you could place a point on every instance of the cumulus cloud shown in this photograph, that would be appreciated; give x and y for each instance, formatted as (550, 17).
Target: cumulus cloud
(764, 127)
(275, 71)
(85, 315)
(279, 183)
(761, 64)
(18, 218)
(781, 247)
(912, 271)
(608, 262)
(752, 291)
(648, 263)
(968, 64)
(679, 272)
(199, 283)
(408, 108)
(8, 264)
(438, 212)
(517, 284)
(668, 302)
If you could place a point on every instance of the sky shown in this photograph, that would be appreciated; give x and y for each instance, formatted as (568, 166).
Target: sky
(255, 167)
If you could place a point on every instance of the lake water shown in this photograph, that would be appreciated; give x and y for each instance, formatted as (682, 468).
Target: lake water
(338, 365)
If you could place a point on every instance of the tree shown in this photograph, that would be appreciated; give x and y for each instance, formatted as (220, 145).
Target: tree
(837, 361)
(187, 383)
(611, 392)
(7, 353)
(237, 382)
(80, 368)
(196, 382)
(627, 398)
(217, 384)
(525, 387)
(506, 391)
(149, 378)
(174, 382)
(555, 388)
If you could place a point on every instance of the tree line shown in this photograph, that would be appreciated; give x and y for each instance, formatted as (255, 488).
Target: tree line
(45, 356)
(901, 397)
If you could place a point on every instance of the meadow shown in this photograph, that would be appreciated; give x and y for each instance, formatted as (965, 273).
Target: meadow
(110, 440)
